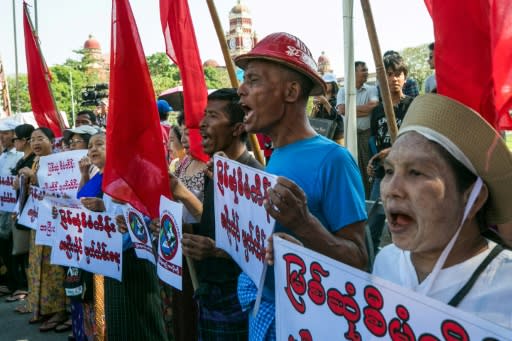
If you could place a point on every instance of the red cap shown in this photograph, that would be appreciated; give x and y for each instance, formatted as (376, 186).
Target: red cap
(288, 50)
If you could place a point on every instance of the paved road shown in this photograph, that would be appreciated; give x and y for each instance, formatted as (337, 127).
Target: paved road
(15, 327)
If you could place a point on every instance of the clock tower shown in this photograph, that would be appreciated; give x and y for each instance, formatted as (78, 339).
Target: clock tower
(240, 38)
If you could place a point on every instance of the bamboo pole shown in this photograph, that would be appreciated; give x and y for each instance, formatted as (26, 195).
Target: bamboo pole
(350, 79)
(381, 71)
(231, 71)
(46, 70)
(16, 57)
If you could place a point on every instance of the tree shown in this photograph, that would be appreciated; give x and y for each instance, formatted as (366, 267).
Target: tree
(216, 78)
(24, 100)
(163, 72)
(416, 60)
(62, 77)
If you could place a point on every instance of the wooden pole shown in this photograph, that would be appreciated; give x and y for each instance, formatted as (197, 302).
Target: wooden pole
(46, 70)
(16, 57)
(231, 71)
(381, 71)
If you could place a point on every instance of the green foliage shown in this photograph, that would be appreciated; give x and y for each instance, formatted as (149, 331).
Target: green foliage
(62, 78)
(416, 60)
(216, 78)
(163, 72)
(24, 100)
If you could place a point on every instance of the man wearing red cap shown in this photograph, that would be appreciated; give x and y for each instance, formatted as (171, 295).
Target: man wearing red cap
(319, 195)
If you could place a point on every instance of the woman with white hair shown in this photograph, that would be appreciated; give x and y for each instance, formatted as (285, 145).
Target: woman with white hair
(447, 178)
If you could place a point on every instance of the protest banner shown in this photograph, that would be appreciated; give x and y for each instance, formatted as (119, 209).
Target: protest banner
(30, 213)
(88, 240)
(242, 225)
(318, 298)
(60, 172)
(169, 263)
(141, 238)
(7, 194)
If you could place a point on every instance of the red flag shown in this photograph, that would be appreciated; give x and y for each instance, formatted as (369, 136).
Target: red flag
(135, 168)
(41, 98)
(473, 55)
(181, 47)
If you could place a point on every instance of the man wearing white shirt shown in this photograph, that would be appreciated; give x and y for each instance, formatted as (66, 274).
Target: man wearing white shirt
(8, 159)
(367, 98)
(430, 84)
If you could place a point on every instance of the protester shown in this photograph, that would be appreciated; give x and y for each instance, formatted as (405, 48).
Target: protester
(46, 300)
(176, 148)
(21, 234)
(130, 307)
(411, 87)
(366, 99)
(220, 314)
(430, 84)
(163, 111)
(319, 196)
(325, 106)
(436, 171)
(8, 159)
(78, 138)
(396, 74)
(85, 117)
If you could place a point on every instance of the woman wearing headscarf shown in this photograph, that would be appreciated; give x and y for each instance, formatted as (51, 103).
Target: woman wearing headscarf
(448, 177)
(47, 300)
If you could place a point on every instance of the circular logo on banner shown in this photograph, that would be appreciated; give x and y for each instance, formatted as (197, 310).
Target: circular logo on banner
(168, 237)
(137, 227)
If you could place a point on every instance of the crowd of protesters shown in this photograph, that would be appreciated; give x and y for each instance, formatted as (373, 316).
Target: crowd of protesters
(424, 180)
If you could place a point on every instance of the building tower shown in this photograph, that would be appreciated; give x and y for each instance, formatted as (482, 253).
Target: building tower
(97, 64)
(324, 64)
(240, 38)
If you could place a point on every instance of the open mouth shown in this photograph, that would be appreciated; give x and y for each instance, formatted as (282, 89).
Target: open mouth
(248, 112)
(398, 219)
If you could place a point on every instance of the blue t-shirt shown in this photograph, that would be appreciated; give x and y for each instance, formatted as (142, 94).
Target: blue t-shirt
(329, 177)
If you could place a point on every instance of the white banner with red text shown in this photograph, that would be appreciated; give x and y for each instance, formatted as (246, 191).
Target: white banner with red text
(87, 240)
(60, 172)
(242, 225)
(7, 194)
(318, 298)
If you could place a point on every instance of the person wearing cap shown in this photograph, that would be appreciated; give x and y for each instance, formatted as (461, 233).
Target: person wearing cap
(366, 100)
(444, 184)
(319, 196)
(324, 106)
(8, 159)
(163, 111)
(78, 138)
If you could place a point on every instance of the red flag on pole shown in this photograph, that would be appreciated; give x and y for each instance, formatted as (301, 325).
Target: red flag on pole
(135, 168)
(473, 55)
(39, 78)
(181, 47)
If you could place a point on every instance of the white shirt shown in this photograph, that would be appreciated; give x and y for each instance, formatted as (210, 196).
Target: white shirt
(490, 298)
(8, 161)
(365, 94)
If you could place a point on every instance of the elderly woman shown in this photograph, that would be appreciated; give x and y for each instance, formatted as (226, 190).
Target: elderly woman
(447, 178)
(47, 300)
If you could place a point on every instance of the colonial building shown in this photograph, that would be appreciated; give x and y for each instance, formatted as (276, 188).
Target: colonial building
(241, 37)
(97, 63)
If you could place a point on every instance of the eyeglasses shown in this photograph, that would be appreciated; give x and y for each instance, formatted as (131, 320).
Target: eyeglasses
(76, 141)
(40, 139)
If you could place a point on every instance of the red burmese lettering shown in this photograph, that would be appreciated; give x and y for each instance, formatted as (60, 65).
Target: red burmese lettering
(240, 186)
(428, 337)
(452, 331)
(399, 329)
(247, 187)
(295, 281)
(220, 177)
(63, 219)
(316, 291)
(233, 186)
(373, 319)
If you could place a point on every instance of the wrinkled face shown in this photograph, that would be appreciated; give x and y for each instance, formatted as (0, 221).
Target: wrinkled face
(77, 142)
(421, 201)
(361, 74)
(82, 120)
(97, 150)
(396, 80)
(261, 96)
(40, 143)
(216, 129)
(6, 139)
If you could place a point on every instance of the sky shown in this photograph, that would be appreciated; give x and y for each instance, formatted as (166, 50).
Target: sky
(64, 25)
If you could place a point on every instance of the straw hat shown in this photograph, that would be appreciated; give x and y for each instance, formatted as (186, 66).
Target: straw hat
(472, 141)
(286, 49)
